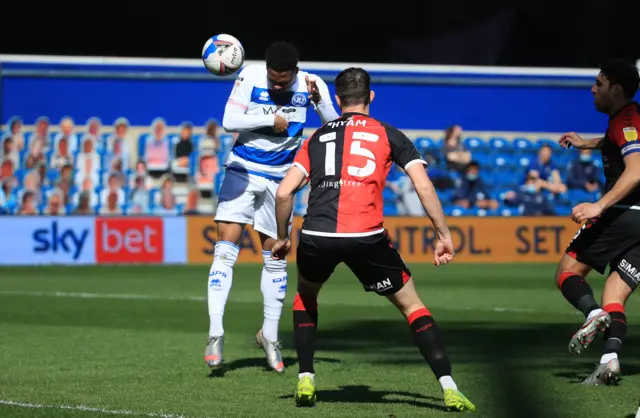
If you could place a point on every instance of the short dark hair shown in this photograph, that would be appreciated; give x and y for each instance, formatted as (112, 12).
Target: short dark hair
(473, 164)
(624, 74)
(353, 87)
(282, 56)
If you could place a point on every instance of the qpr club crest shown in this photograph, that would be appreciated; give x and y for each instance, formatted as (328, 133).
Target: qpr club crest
(298, 99)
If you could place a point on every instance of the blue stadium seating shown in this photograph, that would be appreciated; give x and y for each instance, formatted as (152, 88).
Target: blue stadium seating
(503, 167)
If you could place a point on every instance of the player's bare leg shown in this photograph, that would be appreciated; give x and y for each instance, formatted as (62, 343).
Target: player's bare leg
(220, 280)
(571, 280)
(427, 337)
(305, 325)
(273, 284)
(614, 297)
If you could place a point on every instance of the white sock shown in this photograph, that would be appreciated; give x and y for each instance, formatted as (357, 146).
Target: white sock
(608, 357)
(273, 285)
(220, 279)
(593, 313)
(311, 375)
(447, 383)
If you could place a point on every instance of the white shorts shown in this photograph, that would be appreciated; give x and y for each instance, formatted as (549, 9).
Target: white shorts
(248, 199)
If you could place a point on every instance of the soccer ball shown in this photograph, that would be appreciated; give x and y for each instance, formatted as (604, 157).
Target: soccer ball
(223, 55)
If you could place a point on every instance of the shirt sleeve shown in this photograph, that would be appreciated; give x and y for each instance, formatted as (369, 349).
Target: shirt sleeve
(403, 152)
(625, 136)
(235, 118)
(302, 160)
(325, 107)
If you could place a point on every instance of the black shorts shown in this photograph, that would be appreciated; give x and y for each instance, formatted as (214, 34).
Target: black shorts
(373, 259)
(614, 240)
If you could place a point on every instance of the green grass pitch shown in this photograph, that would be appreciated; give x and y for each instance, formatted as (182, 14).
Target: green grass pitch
(111, 341)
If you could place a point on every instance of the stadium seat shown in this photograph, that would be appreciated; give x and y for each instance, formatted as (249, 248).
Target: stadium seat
(52, 175)
(562, 210)
(195, 140)
(142, 141)
(562, 199)
(390, 210)
(501, 146)
(388, 194)
(19, 174)
(446, 196)
(425, 144)
(577, 196)
(507, 211)
(226, 142)
(474, 144)
(481, 212)
(523, 145)
(218, 182)
(509, 180)
(482, 157)
(524, 161)
(459, 211)
(597, 161)
(555, 146)
(27, 137)
(503, 165)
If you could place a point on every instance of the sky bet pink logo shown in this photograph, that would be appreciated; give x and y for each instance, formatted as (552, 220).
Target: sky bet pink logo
(129, 240)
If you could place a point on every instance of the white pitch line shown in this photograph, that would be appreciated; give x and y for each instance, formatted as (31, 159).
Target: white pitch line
(125, 296)
(86, 295)
(89, 409)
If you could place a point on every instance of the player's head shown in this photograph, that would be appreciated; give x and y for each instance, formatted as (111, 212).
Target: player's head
(282, 65)
(473, 170)
(353, 90)
(616, 85)
(544, 154)
(586, 155)
(531, 185)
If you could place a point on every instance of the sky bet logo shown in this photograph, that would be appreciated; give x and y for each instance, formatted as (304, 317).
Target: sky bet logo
(59, 240)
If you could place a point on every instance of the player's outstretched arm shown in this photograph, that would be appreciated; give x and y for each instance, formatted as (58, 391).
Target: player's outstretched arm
(629, 180)
(235, 118)
(429, 198)
(626, 138)
(572, 139)
(293, 181)
(321, 98)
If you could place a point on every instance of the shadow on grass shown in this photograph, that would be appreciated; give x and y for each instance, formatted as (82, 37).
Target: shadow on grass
(260, 362)
(510, 351)
(364, 394)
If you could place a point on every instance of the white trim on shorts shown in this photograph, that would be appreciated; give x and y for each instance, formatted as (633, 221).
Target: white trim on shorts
(233, 221)
(342, 234)
(626, 207)
(264, 232)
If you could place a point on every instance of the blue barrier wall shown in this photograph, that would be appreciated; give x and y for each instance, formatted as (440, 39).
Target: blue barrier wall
(407, 99)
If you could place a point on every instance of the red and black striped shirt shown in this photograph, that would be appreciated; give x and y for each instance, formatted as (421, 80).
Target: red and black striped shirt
(347, 162)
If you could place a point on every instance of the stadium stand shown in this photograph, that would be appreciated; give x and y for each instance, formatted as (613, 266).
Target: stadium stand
(174, 170)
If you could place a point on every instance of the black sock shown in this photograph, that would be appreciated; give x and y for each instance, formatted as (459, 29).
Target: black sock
(578, 292)
(305, 325)
(427, 337)
(614, 335)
